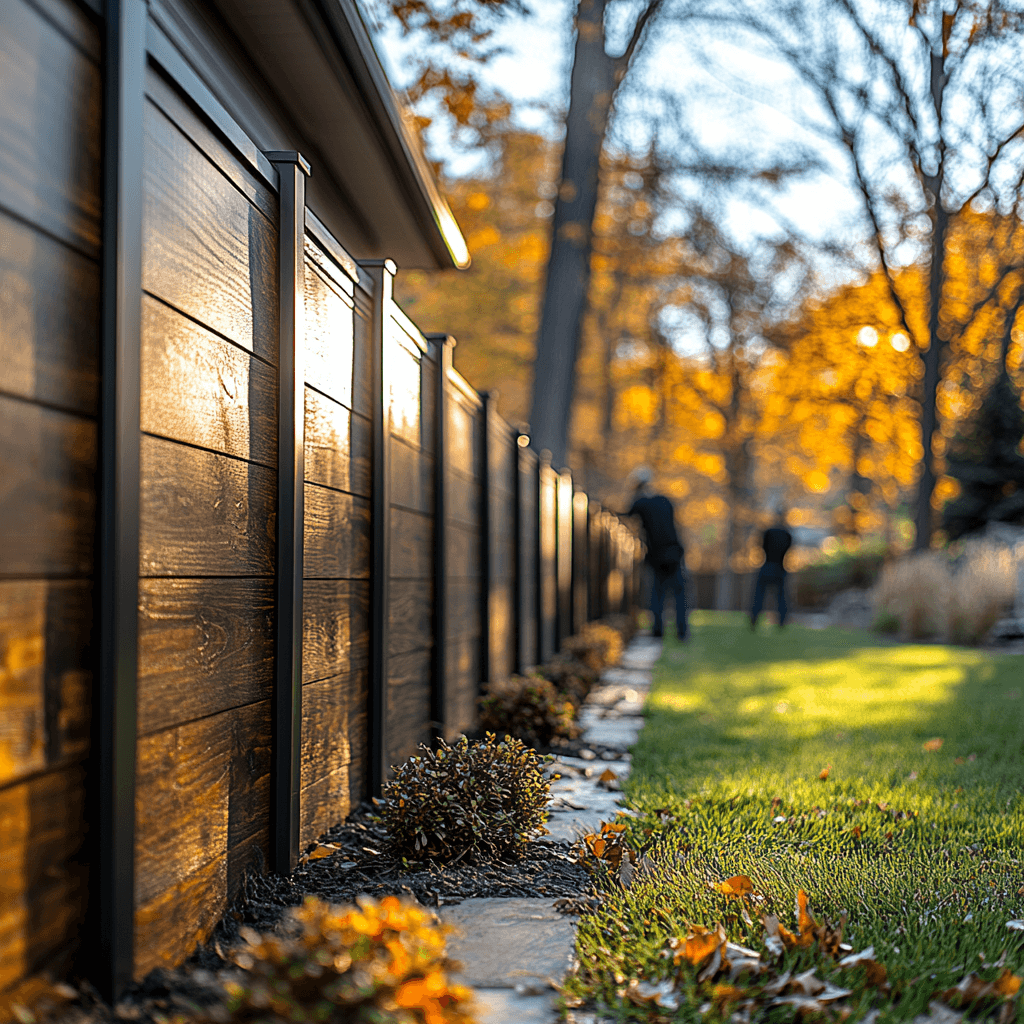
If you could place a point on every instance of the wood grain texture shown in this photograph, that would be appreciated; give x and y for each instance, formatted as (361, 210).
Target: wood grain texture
(206, 249)
(49, 127)
(464, 618)
(464, 430)
(167, 97)
(410, 616)
(203, 514)
(402, 369)
(45, 674)
(462, 660)
(407, 705)
(49, 320)
(202, 791)
(501, 629)
(362, 400)
(47, 491)
(463, 551)
(170, 925)
(42, 874)
(201, 389)
(337, 446)
(329, 336)
(335, 627)
(412, 477)
(411, 545)
(336, 541)
(464, 498)
(204, 646)
(326, 707)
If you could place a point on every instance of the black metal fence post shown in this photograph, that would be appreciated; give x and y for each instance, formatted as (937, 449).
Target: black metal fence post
(292, 171)
(486, 481)
(443, 345)
(382, 272)
(110, 954)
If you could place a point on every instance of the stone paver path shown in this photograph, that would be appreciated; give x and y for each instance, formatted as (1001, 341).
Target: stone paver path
(511, 949)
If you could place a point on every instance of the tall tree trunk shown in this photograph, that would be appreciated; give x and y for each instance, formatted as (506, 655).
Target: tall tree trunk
(932, 357)
(568, 274)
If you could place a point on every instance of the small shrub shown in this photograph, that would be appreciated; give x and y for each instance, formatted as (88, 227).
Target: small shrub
(915, 591)
(597, 645)
(573, 678)
(376, 962)
(478, 800)
(528, 708)
(886, 622)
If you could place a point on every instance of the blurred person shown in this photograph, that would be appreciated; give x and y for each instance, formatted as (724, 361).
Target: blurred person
(664, 551)
(776, 542)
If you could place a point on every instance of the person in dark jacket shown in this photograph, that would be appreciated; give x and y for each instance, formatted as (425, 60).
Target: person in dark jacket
(664, 551)
(777, 541)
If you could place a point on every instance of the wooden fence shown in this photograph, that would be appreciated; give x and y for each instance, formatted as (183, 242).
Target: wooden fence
(259, 538)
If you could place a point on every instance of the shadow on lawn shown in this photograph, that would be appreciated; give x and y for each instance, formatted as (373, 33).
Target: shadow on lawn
(795, 701)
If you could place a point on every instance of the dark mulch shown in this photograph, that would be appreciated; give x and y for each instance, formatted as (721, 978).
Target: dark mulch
(359, 866)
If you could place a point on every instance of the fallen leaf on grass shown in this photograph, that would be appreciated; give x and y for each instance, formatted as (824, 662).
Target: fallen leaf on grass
(661, 993)
(738, 885)
(972, 989)
(609, 780)
(932, 744)
(823, 774)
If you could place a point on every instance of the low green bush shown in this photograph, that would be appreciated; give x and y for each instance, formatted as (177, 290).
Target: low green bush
(529, 708)
(478, 800)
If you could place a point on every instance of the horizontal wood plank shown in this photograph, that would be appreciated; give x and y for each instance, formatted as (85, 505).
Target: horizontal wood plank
(337, 446)
(49, 320)
(329, 336)
(204, 646)
(326, 707)
(463, 678)
(47, 491)
(464, 499)
(42, 878)
(201, 389)
(335, 627)
(407, 705)
(412, 477)
(463, 551)
(50, 132)
(405, 406)
(464, 437)
(410, 616)
(362, 399)
(206, 249)
(336, 541)
(411, 551)
(203, 514)
(46, 679)
(464, 616)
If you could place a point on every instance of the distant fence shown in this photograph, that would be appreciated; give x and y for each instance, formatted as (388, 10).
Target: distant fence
(259, 539)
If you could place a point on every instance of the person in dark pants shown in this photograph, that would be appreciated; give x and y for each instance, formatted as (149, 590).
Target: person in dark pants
(777, 541)
(664, 551)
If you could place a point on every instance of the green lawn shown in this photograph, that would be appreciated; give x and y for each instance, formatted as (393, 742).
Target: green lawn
(922, 847)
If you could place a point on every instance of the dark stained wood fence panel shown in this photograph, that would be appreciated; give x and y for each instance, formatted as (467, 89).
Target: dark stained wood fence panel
(50, 156)
(49, 310)
(464, 435)
(217, 633)
(337, 535)
(47, 491)
(207, 250)
(411, 534)
(547, 581)
(362, 400)
(203, 794)
(42, 879)
(463, 551)
(329, 336)
(412, 478)
(410, 625)
(46, 678)
(462, 657)
(200, 389)
(407, 704)
(335, 627)
(204, 514)
(337, 446)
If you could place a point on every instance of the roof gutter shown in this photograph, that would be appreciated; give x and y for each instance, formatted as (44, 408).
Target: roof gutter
(349, 34)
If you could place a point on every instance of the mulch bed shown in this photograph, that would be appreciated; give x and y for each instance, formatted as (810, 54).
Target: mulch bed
(359, 866)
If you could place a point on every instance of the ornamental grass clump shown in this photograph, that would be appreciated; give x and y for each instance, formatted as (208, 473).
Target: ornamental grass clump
(479, 801)
(380, 961)
(597, 645)
(529, 708)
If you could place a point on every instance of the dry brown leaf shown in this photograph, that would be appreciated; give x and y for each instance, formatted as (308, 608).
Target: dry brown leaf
(607, 776)
(738, 885)
(932, 744)
(699, 944)
(823, 774)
